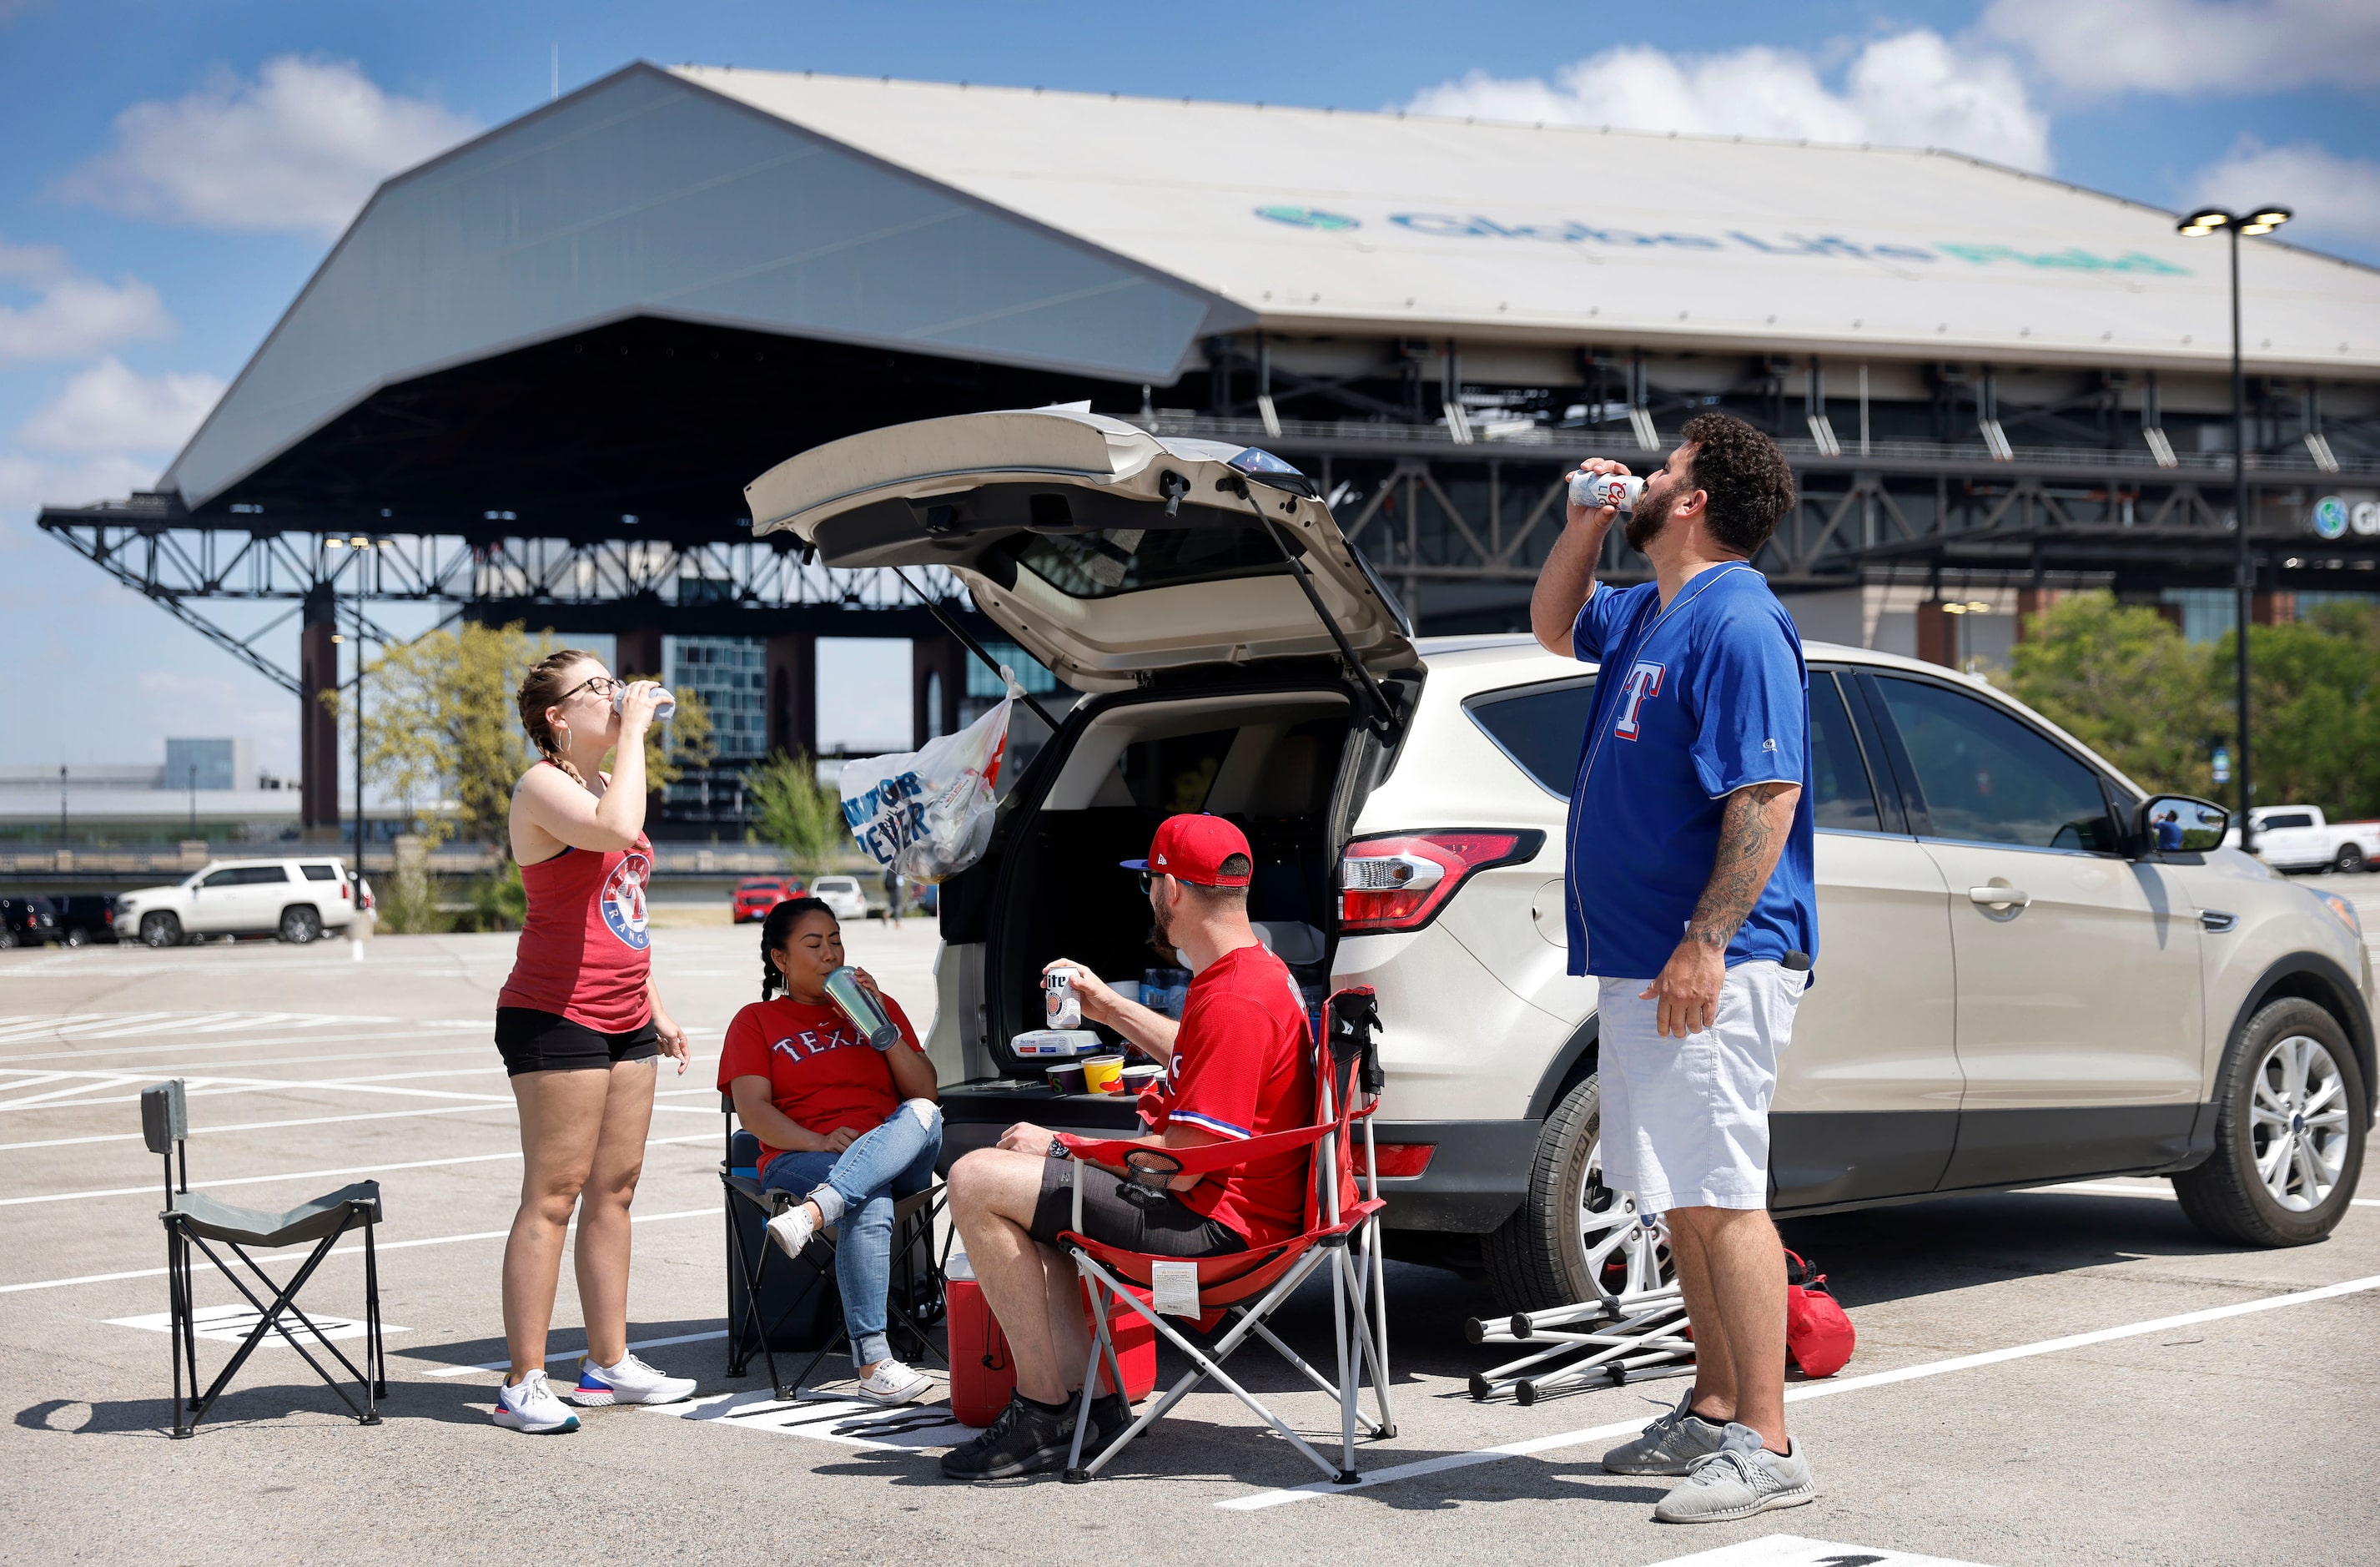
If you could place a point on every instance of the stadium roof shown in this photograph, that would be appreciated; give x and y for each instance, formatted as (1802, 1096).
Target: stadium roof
(1105, 236)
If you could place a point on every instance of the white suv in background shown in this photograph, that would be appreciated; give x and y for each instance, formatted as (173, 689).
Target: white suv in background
(297, 900)
(2014, 987)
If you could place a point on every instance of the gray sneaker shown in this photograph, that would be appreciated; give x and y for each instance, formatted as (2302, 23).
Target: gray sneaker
(1668, 1446)
(1741, 1478)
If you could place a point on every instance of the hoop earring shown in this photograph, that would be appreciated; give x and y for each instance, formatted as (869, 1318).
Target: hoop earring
(566, 734)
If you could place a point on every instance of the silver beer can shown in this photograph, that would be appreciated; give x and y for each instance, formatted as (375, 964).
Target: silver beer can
(1594, 490)
(1063, 1007)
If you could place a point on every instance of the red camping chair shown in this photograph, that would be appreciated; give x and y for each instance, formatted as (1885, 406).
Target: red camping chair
(1342, 1231)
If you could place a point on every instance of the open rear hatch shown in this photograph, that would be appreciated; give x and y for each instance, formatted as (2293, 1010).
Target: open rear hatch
(1108, 552)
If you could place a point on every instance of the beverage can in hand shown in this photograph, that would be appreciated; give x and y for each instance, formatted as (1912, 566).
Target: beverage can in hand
(1594, 491)
(1058, 999)
(661, 711)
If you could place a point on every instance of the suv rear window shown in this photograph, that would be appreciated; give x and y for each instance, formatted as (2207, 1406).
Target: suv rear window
(1124, 559)
(1542, 728)
(321, 872)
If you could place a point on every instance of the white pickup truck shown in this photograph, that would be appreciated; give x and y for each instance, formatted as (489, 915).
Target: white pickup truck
(2298, 838)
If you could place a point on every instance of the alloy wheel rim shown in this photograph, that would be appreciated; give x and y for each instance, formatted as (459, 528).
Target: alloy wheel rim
(2297, 1123)
(1627, 1252)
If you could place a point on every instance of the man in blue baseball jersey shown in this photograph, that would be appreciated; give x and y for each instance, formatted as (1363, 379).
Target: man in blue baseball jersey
(1691, 900)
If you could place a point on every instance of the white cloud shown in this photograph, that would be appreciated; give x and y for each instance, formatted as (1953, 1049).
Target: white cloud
(2196, 46)
(2336, 200)
(299, 149)
(71, 313)
(1913, 89)
(28, 483)
(111, 408)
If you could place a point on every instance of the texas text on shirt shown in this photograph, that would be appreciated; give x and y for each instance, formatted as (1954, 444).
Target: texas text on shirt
(1691, 705)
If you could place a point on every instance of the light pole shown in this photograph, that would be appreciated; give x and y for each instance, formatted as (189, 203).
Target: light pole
(62, 805)
(2197, 225)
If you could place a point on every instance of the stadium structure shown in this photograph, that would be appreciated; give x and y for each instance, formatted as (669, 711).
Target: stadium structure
(530, 381)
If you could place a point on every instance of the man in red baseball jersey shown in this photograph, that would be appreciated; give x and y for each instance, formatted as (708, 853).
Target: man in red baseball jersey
(1237, 1068)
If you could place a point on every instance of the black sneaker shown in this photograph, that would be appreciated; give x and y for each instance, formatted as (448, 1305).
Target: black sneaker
(1110, 1417)
(1025, 1439)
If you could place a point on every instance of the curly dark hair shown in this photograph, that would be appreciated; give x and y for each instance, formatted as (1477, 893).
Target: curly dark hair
(778, 929)
(1747, 478)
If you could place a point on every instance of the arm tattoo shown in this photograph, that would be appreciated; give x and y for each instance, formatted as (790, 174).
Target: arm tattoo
(1751, 837)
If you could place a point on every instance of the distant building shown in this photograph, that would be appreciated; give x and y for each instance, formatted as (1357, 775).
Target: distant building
(209, 764)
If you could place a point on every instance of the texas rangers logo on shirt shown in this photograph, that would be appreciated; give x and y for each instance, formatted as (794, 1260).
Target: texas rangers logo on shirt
(623, 900)
(1643, 683)
(811, 1042)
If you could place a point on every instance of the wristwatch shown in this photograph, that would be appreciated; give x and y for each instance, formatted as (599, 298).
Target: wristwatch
(1058, 1148)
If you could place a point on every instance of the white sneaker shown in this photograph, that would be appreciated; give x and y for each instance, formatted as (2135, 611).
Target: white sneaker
(631, 1382)
(792, 1229)
(892, 1382)
(530, 1405)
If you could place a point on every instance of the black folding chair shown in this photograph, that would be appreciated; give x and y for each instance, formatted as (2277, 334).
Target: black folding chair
(914, 1303)
(192, 1219)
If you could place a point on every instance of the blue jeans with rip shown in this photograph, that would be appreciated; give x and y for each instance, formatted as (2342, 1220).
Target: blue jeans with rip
(894, 1159)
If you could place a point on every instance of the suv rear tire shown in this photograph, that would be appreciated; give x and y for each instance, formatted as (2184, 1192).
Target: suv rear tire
(301, 923)
(1572, 1238)
(160, 930)
(2290, 1096)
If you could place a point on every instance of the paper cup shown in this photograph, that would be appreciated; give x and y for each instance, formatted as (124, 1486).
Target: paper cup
(1066, 1077)
(1103, 1073)
(1140, 1075)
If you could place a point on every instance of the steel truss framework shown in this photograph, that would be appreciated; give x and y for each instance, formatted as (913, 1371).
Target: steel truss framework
(180, 562)
(1461, 526)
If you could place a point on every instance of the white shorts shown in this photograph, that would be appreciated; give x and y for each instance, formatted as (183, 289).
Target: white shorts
(1685, 1121)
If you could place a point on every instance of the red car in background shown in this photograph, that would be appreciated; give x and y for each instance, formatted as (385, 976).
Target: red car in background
(756, 895)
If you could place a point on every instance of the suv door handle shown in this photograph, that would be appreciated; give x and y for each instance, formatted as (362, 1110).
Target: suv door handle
(1999, 897)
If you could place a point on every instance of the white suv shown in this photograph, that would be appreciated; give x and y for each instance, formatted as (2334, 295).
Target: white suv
(297, 900)
(2014, 987)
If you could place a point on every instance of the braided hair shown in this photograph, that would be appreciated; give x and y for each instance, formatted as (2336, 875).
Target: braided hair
(540, 690)
(778, 929)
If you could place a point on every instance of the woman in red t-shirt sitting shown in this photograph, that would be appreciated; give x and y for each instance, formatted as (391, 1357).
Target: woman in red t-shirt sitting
(843, 1129)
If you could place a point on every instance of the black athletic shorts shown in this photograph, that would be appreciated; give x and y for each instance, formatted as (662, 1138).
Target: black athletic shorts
(1164, 1227)
(530, 1040)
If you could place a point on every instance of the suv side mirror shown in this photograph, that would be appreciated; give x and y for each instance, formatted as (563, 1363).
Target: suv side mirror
(2180, 824)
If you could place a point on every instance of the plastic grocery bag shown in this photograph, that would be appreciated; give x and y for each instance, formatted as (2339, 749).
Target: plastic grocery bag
(928, 813)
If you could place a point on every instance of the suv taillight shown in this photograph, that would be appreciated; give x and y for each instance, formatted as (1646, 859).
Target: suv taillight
(1399, 881)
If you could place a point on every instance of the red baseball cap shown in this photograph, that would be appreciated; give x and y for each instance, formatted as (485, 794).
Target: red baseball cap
(1193, 849)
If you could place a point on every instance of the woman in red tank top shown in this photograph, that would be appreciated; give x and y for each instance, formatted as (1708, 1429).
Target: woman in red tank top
(579, 1025)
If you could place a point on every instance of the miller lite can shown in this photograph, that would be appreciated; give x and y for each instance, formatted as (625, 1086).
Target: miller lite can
(1062, 1007)
(1594, 490)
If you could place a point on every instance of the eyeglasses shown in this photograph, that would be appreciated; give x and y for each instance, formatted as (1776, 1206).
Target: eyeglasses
(1148, 880)
(602, 685)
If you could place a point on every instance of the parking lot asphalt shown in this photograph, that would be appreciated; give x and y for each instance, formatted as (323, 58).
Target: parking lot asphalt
(2073, 1375)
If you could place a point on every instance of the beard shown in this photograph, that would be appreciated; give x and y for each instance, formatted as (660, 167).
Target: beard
(1652, 514)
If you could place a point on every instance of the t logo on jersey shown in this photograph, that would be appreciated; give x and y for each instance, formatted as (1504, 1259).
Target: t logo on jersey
(1643, 681)
(622, 901)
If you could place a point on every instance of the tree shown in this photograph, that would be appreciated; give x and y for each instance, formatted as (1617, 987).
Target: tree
(2313, 711)
(796, 812)
(442, 731)
(2120, 679)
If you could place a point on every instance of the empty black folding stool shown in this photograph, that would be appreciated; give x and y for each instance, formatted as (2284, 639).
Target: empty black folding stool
(192, 1219)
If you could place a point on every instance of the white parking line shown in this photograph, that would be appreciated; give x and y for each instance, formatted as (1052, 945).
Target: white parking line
(257, 1125)
(151, 1189)
(216, 1088)
(355, 1250)
(2160, 1191)
(105, 1052)
(1806, 1390)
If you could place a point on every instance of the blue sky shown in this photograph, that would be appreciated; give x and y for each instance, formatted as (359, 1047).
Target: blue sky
(172, 173)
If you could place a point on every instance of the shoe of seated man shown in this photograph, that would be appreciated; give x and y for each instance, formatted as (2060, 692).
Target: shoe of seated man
(891, 1382)
(631, 1382)
(528, 1405)
(1110, 1417)
(1741, 1478)
(1024, 1438)
(1669, 1445)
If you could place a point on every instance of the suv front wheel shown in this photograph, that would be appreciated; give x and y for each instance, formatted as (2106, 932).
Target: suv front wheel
(2289, 1119)
(161, 930)
(1572, 1238)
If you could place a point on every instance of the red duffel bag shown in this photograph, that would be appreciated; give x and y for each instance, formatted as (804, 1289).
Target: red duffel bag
(1819, 1335)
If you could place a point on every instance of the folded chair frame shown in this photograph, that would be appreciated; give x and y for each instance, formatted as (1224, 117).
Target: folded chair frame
(751, 1330)
(1346, 1085)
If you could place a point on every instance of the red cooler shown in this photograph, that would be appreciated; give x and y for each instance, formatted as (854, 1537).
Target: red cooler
(982, 1375)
